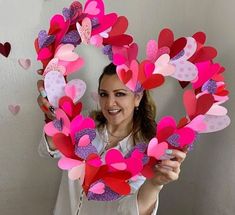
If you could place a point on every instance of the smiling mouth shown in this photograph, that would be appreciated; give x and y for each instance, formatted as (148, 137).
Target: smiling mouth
(114, 111)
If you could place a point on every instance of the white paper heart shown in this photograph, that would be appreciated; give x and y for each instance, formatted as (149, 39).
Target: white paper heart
(54, 83)
(215, 123)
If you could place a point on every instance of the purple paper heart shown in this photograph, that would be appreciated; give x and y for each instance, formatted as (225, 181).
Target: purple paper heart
(44, 39)
(87, 131)
(107, 50)
(58, 123)
(72, 37)
(108, 194)
(181, 53)
(84, 151)
(173, 140)
(210, 86)
(95, 22)
(66, 13)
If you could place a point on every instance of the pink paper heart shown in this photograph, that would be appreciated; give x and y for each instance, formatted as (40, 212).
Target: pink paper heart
(156, 149)
(68, 163)
(96, 40)
(70, 91)
(24, 63)
(53, 65)
(14, 109)
(84, 140)
(92, 9)
(119, 166)
(97, 188)
(65, 53)
(75, 89)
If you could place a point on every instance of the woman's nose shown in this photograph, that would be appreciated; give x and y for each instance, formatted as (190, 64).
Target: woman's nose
(111, 101)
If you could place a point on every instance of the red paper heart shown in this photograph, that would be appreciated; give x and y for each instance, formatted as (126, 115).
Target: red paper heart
(155, 80)
(73, 110)
(178, 46)
(5, 49)
(125, 75)
(119, 40)
(200, 37)
(119, 27)
(166, 38)
(64, 144)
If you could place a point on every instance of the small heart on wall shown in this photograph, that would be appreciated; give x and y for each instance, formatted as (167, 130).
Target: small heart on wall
(5, 49)
(24, 63)
(14, 109)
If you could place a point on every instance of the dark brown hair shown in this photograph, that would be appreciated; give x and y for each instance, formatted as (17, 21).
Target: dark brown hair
(144, 125)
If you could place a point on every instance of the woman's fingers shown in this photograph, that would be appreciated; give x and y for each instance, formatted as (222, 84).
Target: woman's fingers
(179, 155)
(40, 71)
(41, 90)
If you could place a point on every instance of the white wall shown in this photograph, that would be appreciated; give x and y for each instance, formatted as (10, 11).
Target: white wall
(28, 183)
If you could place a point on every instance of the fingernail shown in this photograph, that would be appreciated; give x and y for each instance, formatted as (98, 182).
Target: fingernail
(43, 93)
(44, 108)
(52, 109)
(168, 151)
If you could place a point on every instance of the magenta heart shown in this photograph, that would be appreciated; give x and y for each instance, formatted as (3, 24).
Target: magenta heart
(5, 49)
(14, 109)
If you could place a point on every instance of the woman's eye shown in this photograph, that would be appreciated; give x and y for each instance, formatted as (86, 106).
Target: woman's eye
(120, 94)
(102, 94)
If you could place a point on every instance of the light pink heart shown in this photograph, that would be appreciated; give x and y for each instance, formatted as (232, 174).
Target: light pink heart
(98, 188)
(119, 166)
(70, 91)
(65, 53)
(24, 63)
(14, 109)
(92, 9)
(77, 172)
(75, 89)
(156, 149)
(84, 140)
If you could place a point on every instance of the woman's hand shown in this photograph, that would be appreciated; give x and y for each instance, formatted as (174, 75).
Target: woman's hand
(168, 170)
(43, 103)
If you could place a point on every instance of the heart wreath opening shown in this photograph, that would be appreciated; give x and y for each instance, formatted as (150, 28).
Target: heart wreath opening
(186, 59)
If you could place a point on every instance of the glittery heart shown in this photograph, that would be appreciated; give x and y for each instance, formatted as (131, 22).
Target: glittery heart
(210, 86)
(58, 123)
(97, 188)
(14, 109)
(173, 140)
(44, 39)
(87, 131)
(5, 49)
(24, 63)
(84, 151)
(72, 37)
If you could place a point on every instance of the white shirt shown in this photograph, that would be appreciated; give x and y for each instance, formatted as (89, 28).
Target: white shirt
(70, 199)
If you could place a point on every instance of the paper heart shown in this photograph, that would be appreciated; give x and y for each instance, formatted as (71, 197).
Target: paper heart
(59, 125)
(163, 67)
(5, 49)
(54, 83)
(71, 109)
(84, 140)
(77, 172)
(119, 27)
(165, 38)
(65, 53)
(53, 65)
(96, 40)
(84, 30)
(24, 63)
(75, 89)
(44, 54)
(44, 39)
(156, 149)
(215, 123)
(14, 109)
(91, 8)
(125, 76)
(68, 163)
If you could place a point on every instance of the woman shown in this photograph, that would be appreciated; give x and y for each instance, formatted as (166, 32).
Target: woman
(126, 118)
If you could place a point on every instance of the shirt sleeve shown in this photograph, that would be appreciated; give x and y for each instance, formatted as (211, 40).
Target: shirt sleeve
(128, 205)
(44, 149)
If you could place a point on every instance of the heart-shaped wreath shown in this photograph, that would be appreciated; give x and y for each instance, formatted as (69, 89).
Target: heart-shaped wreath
(186, 59)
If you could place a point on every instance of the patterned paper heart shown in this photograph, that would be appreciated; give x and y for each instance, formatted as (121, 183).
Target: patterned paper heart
(54, 85)
(5, 49)
(14, 109)
(24, 63)
(44, 39)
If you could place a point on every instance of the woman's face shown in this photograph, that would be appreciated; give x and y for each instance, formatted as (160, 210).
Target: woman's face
(117, 102)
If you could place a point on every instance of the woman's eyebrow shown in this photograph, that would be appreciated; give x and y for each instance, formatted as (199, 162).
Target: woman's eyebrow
(113, 90)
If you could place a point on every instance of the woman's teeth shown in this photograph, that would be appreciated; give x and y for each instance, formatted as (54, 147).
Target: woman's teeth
(114, 111)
